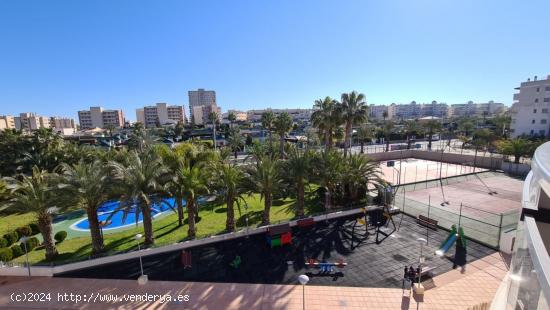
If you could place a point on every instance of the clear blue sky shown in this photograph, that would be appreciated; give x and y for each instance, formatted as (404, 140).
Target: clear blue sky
(57, 57)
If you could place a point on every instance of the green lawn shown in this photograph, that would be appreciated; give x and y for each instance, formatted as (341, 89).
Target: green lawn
(211, 221)
(9, 222)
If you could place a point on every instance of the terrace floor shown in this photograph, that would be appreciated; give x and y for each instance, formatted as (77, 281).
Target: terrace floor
(451, 290)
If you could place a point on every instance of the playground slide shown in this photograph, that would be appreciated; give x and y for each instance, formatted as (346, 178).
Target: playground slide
(446, 245)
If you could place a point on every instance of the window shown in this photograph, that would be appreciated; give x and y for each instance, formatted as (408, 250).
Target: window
(536, 100)
(546, 99)
(535, 111)
(538, 89)
(532, 131)
(533, 121)
(544, 111)
(547, 88)
(542, 132)
(543, 121)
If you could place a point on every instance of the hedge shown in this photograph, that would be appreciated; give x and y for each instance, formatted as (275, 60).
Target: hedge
(11, 237)
(32, 243)
(5, 254)
(34, 229)
(24, 231)
(60, 236)
(3, 242)
(16, 250)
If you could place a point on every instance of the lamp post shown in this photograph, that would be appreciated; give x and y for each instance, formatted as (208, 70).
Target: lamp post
(246, 218)
(143, 278)
(303, 279)
(420, 258)
(24, 241)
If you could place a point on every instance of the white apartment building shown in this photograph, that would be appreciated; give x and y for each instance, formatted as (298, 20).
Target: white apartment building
(160, 114)
(97, 117)
(298, 115)
(31, 121)
(63, 125)
(7, 122)
(240, 116)
(200, 97)
(201, 114)
(377, 112)
(470, 109)
(530, 111)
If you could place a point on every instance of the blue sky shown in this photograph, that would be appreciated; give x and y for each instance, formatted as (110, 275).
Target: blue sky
(57, 57)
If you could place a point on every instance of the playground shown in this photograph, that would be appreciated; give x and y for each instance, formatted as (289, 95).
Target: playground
(360, 250)
(412, 170)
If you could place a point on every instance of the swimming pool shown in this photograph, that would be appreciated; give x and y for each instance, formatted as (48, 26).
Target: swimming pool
(117, 217)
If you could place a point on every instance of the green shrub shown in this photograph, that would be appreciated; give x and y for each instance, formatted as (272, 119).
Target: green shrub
(34, 229)
(24, 231)
(5, 255)
(16, 250)
(11, 237)
(60, 236)
(3, 242)
(32, 243)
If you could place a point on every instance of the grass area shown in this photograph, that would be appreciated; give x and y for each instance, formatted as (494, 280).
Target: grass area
(166, 231)
(9, 222)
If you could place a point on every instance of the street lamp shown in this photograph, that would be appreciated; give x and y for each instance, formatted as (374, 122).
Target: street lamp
(24, 241)
(420, 259)
(246, 218)
(143, 278)
(303, 279)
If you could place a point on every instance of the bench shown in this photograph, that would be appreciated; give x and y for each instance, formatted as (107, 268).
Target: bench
(426, 271)
(426, 221)
(306, 223)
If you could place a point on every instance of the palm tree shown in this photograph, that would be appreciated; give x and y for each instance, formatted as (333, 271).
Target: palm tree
(432, 126)
(466, 127)
(385, 115)
(140, 184)
(516, 147)
(326, 118)
(328, 173)
(173, 160)
(364, 133)
(37, 193)
(88, 183)
(282, 124)
(409, 128)
(110, 130)
(359, 172)
(501, 122)
(235, 140)
(264, 177)
(298, 169)
(354, 110)
(231, 117)
(387, 129)
(193, 183)
(228, 179)
(267, 123)
(480, 139)
(213, 117)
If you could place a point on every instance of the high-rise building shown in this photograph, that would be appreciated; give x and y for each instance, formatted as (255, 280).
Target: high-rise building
(31, 121)
(160, 114)
(200, 97)
(530, 111)
(470, 109)
(7, 122)
(96, 117)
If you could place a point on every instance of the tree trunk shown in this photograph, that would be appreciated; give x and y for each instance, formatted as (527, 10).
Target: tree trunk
(362, 144)
(516, 159)
(330, 140)
(326, 140)
(230, 223)
(328, 198)
(179, 205)
(147, 223)
(191, 217)
(430, 134)
(300, 194)
(408, 142)
(45, 226)
(347, 138)
(267, 209)
(270, 142)
(235, 154)
(387, 144)
(282, 146)
(95, 231)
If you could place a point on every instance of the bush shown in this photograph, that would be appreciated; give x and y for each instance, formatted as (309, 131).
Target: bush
(5, 255)
(32, 243)
(11, 237)
(16, 250)
(3, 242)
(34, 229)
(60, 236)
(24, 231)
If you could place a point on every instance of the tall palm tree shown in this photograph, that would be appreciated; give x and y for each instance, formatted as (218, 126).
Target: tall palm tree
(228, 179)
(409, 127)
(37, 193)
(359, 171)
(387, 129)
(173, 160)
(268, 118)
(213, 117)
(364, 133)
(432, 127)
(516, 147)
(298, 169)
(354, 110)
(328, 173)
(231, 117)
(264, 177)
(326, 118)
(193, 183)
(88, 183)
(282, 124)
(502, 122)
(235, 140)
(140, 184)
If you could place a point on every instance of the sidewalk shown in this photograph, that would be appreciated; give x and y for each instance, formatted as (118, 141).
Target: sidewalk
(451, 290)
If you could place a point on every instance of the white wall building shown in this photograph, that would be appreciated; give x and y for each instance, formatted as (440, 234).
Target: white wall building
(377, 112)
(530, 111)
(298, 115)
(200, 97)
(471, 109)
(160, 114)
(240, 116)
(97, 117)
(7, 122)
(31, 121)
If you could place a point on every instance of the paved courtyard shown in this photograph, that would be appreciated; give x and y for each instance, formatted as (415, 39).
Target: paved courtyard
(369, 264)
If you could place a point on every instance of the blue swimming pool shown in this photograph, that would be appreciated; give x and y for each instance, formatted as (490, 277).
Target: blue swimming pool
(118, 217)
